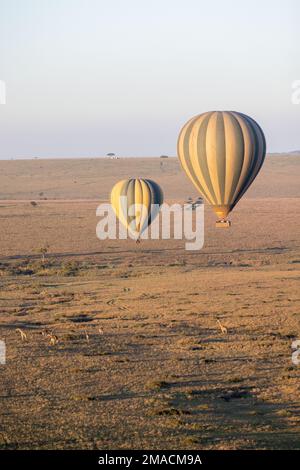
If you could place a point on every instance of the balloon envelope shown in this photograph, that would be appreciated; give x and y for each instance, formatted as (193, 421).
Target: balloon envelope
(136, 203)
(222, 153)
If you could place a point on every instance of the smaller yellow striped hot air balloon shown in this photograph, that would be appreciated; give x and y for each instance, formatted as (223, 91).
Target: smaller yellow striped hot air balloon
(136, 203)
(221, 152)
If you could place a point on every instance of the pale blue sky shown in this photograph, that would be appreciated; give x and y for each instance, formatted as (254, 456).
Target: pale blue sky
(87, 77)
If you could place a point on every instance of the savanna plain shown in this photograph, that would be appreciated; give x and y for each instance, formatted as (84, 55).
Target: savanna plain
(117, 345)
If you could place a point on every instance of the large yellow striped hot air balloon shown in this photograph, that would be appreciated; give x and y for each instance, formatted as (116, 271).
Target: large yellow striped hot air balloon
(136, 203)
(221, 152)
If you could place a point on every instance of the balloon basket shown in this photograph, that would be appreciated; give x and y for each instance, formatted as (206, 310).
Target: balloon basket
(223, 223)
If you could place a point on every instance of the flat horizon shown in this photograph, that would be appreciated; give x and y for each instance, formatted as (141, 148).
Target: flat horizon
(269, 154)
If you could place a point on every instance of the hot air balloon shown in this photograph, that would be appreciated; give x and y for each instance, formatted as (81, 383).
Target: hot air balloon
(136, 203)
(221, 152)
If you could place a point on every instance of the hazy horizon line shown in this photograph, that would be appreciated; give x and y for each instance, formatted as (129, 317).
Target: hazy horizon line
(118, 157)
